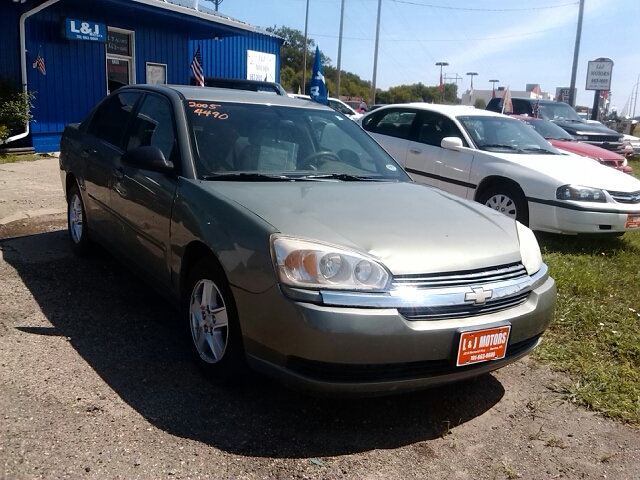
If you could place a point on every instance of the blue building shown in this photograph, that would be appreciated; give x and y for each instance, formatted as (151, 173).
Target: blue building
(90, 47)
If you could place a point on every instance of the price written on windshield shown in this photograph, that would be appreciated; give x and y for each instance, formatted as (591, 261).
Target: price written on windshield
(208, 109)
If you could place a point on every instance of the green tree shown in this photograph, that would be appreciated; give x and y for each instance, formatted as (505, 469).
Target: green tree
(480, 103)
(15, 108)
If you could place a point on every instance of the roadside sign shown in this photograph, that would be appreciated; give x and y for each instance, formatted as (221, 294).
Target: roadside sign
(599, 74)
(261, 66)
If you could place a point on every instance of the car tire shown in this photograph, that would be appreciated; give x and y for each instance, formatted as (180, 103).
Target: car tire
(77, 223)
(506, 199)
(212, 324)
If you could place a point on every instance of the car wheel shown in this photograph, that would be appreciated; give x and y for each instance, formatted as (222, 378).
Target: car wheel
(77, 223)
(506, 199)
(213, 325)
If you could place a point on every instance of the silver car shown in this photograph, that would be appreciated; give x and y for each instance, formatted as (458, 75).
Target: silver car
(292, 242)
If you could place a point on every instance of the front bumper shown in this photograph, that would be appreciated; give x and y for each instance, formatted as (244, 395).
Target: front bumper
(364, 351)
(555, 219)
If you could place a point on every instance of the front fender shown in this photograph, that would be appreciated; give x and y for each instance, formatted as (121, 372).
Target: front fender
(237, 236)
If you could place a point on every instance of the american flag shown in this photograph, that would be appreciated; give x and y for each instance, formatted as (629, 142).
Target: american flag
(196, 68)
(40, 65)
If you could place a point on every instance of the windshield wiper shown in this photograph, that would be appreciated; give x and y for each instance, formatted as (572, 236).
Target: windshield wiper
(247, 177)
(346, 177)
(499, 145)
(538, 149)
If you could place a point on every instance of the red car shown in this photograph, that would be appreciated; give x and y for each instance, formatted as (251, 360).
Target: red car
(358, 105)
(560, 139)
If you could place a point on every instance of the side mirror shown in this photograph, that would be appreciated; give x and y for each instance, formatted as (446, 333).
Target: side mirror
(451, 143)
(147, 158)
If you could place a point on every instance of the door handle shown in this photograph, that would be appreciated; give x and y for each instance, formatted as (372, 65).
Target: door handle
(415, 151)
(85, 154)
(119, 174)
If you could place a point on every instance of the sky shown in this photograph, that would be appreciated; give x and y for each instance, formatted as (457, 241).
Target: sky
(517, 42)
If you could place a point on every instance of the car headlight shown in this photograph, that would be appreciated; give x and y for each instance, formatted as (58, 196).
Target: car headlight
(311, 264)
(529, 249)
(583, 194)
(581, 137)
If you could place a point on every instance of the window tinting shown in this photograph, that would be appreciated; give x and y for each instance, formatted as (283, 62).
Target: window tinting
(432, 128)
(153, 126)
(394, 123)
(110, 121)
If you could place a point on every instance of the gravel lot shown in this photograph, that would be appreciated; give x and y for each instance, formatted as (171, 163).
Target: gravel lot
(94, 382)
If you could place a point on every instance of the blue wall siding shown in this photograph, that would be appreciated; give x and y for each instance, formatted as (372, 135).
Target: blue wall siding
(10, 34)
(227, 57)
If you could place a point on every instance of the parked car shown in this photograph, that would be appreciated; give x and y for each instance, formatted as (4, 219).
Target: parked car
(565, 117)
(376, 105)
(281, 232)
(336, 104)
(502, 163)
(560, 139)
(631, 145)
(358, 105)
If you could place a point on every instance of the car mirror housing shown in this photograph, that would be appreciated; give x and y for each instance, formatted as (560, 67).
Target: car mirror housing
(451, 143)
(147, 158)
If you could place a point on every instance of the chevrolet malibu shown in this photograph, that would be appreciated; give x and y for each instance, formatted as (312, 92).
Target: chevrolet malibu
(292, 242)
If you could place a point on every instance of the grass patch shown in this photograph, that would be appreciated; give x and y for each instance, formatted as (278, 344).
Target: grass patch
(596, 333)
(12, 158)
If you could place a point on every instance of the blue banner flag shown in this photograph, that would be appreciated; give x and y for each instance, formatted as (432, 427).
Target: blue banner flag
(318, 86)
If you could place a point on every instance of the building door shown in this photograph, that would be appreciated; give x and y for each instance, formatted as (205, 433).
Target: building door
(120, 52)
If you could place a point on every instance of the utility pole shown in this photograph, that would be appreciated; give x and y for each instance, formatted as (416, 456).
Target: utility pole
(493, 87)
(576, 52)
(216, 3)
(339, 50)
(635, 102)
(375, 56)
(304, 51)
(442, 64)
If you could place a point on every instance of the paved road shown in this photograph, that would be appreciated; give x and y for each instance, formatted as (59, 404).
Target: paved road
(94, 382)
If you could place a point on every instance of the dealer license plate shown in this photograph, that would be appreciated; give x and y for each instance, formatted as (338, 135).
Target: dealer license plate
(633, 221)
(483, 345)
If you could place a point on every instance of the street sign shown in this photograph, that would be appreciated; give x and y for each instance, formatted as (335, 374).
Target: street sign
(599, 74)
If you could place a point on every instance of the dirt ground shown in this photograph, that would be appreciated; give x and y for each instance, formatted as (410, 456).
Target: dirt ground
(94, 382)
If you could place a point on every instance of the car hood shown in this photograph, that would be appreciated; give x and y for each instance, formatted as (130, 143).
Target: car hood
(592, 128)
(586, 149)
(568, 169)
(409, 227)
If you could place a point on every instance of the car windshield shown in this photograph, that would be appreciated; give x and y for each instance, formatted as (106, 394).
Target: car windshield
(505, 135)
(549, 130)
(558, 111)
(353, 104)
(262, 142)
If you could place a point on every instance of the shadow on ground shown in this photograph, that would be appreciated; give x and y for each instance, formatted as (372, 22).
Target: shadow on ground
(129, 335)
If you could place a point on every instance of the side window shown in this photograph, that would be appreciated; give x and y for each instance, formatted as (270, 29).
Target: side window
(110, 121)
(394, 123)
(432, 128)
(154, 126)
(521, 108)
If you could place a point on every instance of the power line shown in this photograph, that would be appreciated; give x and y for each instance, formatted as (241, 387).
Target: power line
(485, 9)
(442, 39)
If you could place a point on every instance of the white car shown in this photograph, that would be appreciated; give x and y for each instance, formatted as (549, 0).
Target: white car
(501, 162)
(631, 144)
(336, 104)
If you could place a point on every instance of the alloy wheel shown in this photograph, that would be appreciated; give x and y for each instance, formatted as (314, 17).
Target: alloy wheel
(75, 218)
(209, 321)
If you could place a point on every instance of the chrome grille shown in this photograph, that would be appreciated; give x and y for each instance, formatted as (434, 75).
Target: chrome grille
(626, 197)
(469, 277)
(457, 311)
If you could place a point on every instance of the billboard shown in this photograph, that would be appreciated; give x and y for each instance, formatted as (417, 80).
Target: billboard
(599, 74)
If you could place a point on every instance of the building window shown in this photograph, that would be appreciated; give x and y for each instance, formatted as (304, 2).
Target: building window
(120, 56)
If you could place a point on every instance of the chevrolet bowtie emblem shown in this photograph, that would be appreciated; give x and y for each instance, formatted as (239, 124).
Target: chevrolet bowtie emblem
(478, 296)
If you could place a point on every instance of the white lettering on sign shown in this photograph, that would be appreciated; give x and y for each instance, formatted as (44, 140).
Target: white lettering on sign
(85, 28)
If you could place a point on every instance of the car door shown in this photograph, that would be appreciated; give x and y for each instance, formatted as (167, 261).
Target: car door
(391, 128)
(142, 199)
(101, 150)
(429, 163)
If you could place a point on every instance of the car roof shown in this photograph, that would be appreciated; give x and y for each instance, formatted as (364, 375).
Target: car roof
(526, 117)
(449, 110)
(214, 94)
